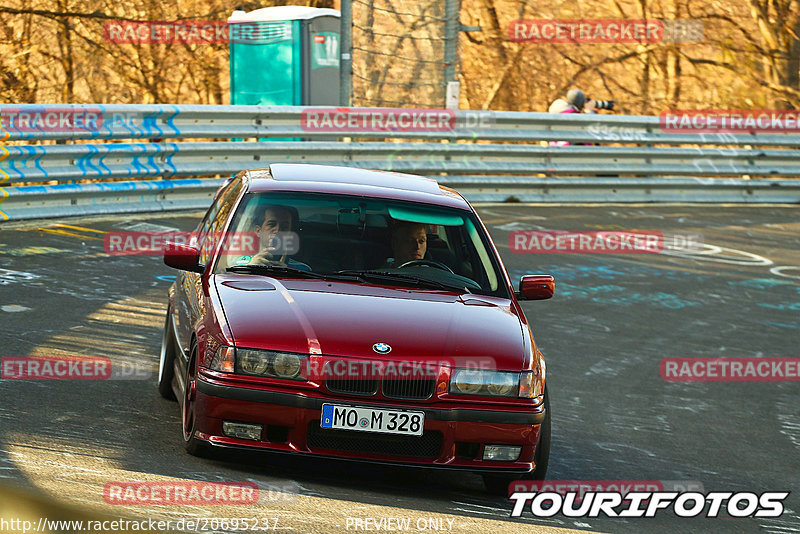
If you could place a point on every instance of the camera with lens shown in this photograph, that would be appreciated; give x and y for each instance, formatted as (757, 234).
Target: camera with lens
(604, 104)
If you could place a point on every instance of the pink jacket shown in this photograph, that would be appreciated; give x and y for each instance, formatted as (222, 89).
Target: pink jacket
(563, 143)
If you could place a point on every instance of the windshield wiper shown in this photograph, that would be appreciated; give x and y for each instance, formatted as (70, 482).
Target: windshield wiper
(382, 276)
(287, 271)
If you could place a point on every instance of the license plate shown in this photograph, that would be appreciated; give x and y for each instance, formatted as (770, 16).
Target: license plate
(372, 420)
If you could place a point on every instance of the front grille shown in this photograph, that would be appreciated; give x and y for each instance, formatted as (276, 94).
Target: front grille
(359, 381)
(409, 389)
(352, 387)
(428, 445)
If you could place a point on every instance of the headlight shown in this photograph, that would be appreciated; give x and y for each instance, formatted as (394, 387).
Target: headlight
(287, 365)
(478, 382)
(503, 384)
(252, 362)
(467, 382)
(271, 364)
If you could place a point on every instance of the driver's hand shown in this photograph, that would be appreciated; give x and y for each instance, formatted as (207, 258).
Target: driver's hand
(263, 258)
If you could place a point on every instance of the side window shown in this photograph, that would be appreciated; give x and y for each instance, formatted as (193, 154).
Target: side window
(215, 219)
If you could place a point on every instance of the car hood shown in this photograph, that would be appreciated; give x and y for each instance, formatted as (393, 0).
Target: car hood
(347, 319)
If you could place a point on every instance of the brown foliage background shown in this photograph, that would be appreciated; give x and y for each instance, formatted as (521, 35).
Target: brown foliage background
(54, 51)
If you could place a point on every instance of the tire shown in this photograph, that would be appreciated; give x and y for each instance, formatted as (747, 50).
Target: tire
(166, 364)
(498, 484)
(193, 446)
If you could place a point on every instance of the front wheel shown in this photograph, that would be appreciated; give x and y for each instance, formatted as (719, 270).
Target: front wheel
(193, 446)
(498, 484)
(166, 364)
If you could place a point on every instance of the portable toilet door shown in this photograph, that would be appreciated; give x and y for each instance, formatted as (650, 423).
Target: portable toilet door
(284, 56)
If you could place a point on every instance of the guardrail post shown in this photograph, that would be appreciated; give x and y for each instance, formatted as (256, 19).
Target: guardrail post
(452, 25)
(346, 52)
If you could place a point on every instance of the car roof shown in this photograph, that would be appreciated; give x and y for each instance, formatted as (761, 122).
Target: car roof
(353, 181)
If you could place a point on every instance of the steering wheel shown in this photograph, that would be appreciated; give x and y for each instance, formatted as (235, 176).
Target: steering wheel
(428, 263)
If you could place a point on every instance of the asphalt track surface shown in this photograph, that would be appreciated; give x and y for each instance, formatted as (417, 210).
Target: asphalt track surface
(613, 319)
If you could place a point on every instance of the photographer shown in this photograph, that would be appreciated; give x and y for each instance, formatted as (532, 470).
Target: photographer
(578, 102)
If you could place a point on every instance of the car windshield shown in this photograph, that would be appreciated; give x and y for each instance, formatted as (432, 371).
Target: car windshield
(365, 240)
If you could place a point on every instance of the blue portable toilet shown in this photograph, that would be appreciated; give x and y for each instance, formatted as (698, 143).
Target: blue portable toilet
(285, 56)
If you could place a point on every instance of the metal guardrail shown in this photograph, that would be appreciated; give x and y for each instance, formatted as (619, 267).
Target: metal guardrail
(488, 156)
(65, 200)
(145, 160)
(226, 122)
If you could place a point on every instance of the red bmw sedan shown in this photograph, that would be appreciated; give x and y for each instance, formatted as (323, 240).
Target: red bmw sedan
(354, 314)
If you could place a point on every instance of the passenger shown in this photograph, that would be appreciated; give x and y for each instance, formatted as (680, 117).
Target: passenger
(409, 243)
(272, 245)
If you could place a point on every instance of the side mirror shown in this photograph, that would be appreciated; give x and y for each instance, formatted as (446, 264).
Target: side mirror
(536, 287)
(182, 256)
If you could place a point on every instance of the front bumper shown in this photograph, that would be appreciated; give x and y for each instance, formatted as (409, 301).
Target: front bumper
(453, 436)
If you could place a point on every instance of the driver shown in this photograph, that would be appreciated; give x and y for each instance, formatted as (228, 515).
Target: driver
(409, 242)
(274, 225)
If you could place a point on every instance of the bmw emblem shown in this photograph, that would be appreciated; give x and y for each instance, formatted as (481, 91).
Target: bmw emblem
(382, 348)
